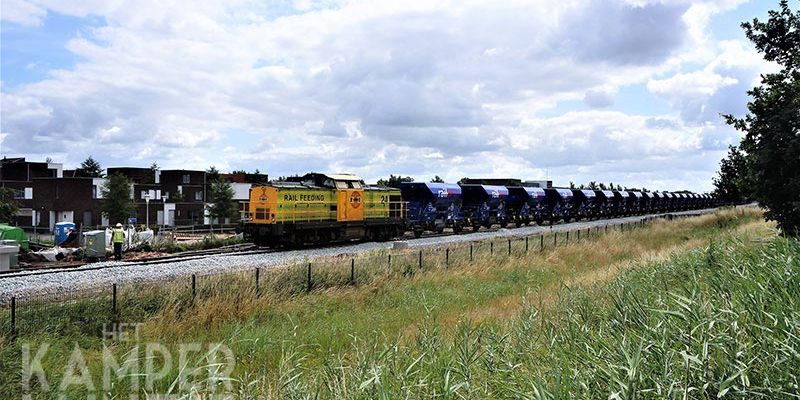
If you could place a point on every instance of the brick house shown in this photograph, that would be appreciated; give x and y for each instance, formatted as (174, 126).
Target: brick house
(18, 174)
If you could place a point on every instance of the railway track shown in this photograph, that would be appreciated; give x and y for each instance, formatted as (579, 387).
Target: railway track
(188, 256)
(249, 249)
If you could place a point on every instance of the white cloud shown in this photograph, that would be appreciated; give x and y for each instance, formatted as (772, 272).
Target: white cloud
(414, 87)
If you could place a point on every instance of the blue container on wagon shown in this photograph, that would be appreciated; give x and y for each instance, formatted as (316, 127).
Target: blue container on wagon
(526, 204)
(586, 201)
(484, 205)
(432, 206)
(61, 231)
(560, 204)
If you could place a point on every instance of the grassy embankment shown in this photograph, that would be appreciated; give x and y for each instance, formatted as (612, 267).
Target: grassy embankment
(691, 308)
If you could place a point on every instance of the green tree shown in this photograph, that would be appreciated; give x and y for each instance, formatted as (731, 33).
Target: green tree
(212, 174)
(8, 206)
(117, 203)
(772, 125)
(729, 183)
(151, 177)
(437, 179)
(463, 180)
(394, 181)
(90, 168)
(221, 200)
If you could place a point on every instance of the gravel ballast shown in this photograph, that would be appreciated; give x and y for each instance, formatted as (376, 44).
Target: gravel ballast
(123, 272)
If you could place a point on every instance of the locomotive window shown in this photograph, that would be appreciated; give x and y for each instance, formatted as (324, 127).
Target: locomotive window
(261, 213)
(355, 185)
(341, 185)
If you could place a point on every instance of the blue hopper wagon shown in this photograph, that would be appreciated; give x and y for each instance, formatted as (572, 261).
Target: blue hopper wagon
(432, 207)
(526, 204)
(484, 205)
(586, 203)
(560, 204)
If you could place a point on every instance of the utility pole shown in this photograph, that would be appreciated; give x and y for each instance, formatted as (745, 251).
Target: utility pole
(147, 209)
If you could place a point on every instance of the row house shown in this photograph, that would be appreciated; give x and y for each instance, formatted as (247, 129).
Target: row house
(47, 194)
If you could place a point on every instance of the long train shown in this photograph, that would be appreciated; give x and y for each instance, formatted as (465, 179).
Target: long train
(326, 208)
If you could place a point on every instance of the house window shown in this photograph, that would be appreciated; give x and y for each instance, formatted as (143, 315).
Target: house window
(19, 194)
(94, 191)
(198, 195)
(165, 195)
(186, 178)
(144, 194)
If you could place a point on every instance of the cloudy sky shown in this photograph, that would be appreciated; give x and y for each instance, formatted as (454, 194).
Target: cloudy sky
(628, 91)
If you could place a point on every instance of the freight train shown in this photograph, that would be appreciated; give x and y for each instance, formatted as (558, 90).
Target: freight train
(326, 208)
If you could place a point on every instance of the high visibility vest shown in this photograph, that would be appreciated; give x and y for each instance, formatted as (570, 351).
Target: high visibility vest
(118, 236)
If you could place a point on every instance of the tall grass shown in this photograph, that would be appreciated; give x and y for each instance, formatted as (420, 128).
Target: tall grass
(528, 325)
(723, 321)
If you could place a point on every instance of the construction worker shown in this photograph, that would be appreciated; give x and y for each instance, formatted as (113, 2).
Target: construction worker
(118, 237)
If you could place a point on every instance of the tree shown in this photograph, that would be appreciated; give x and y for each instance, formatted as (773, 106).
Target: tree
(222, 204)
(90, 168)
(151, 177)
(394, 181)
(8, 206)
(772, 125)
(729, 184)
(212, 174)
(117, 203)
(463, 180)
(437, 179)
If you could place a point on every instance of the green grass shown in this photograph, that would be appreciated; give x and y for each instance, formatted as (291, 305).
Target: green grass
(651, 313)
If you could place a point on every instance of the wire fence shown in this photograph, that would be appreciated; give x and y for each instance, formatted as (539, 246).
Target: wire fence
(88, 311)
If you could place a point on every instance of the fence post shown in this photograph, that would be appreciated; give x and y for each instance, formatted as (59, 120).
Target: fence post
(446, 257)
(352, 271)
(114, 302)
(491, 247)
(308, 278)
(555, 239)
(390, 261)
(194, 287)
(509, 246)
(579, 235)
(526, 243)
(420, 259)
(258, 289)
(470, 252)
(541, 243)
(588, 231)
(13, 316)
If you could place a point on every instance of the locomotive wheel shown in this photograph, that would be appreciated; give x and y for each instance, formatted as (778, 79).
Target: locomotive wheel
(417, 234)
(518, 223)
(457, 228)
(440, 230)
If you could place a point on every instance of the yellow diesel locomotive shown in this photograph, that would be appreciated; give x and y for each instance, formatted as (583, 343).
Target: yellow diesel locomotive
(322, 208)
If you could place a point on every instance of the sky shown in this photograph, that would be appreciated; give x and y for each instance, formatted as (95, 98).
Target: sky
(622, 91)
